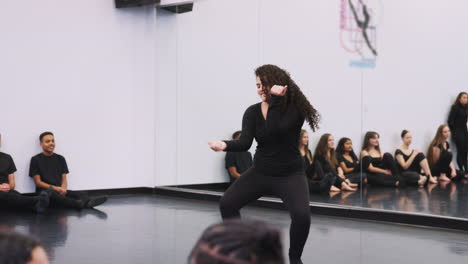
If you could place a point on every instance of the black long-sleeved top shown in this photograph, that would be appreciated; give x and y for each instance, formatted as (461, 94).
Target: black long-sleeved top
(326, 166)
(457, 120)
(277, 138)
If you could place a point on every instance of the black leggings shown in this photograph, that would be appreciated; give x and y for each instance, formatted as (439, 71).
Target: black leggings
(16, 201)
(291, 188)
(416, 165)
(462, 151)
(72, 199)
(443, 164)
(356, 177)
(319, 181)
(388, 163)
(412, 175)
(324, 183)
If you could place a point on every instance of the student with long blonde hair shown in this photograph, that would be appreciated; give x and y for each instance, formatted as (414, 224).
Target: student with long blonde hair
(440, 155)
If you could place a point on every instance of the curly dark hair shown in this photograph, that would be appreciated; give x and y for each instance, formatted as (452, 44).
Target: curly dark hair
(238, 241)
(271, 75)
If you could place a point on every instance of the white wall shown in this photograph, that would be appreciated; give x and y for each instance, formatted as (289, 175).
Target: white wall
(134, 96)
(85, 71)
(421, 70)
(206, 61)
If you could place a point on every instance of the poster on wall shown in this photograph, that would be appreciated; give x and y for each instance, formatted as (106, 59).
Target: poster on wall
(359, 28)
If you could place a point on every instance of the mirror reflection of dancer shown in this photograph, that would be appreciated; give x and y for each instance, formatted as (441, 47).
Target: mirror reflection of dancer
(363, 24)
(276, 124)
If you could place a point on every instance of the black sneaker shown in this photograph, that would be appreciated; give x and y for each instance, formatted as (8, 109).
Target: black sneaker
(95, 202)
(42, 202)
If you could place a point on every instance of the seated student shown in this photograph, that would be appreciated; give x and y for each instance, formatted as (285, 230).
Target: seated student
(304, 149)
(49, 171)
(19, 249)
(440, 156)
(9, 197)
(237, 162)
(411, 161)
(325, 156)
(349, 162)
(318, 181)
(238, 242)
(381, 169)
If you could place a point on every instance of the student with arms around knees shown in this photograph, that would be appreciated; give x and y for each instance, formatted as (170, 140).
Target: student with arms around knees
(381, 168)
(440, 155)
(412, 161)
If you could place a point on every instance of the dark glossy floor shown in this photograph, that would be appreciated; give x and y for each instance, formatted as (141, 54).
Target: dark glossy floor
(443, 199)
(157, 229)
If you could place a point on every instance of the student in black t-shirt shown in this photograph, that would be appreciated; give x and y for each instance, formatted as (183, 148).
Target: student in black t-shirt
(9, 197)
(49, 171)
(237, 162)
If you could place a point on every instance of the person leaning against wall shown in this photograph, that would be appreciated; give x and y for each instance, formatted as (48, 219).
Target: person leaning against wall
(457, 123)
(50, 172)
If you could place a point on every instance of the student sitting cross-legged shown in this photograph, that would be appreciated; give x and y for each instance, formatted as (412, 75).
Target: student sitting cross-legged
(50, 170)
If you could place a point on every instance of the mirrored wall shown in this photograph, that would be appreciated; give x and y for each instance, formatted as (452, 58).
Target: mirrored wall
(365, 65)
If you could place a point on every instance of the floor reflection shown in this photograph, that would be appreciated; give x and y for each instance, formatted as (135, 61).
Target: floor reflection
(444, 199)
(155, 229)
(51, 228)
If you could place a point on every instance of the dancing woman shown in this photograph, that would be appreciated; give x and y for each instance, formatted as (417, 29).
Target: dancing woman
(276, 124)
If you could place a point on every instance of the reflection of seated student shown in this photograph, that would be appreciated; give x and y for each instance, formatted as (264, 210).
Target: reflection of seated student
(411, 161)
(306, 154)
(50, 170)
(440, 156)
(237, 162)
(9, 197)
(380, 169)
(325, 158)
(349, 162)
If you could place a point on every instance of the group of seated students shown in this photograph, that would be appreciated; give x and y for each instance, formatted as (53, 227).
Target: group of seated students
(334, 170)
(49, 171)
